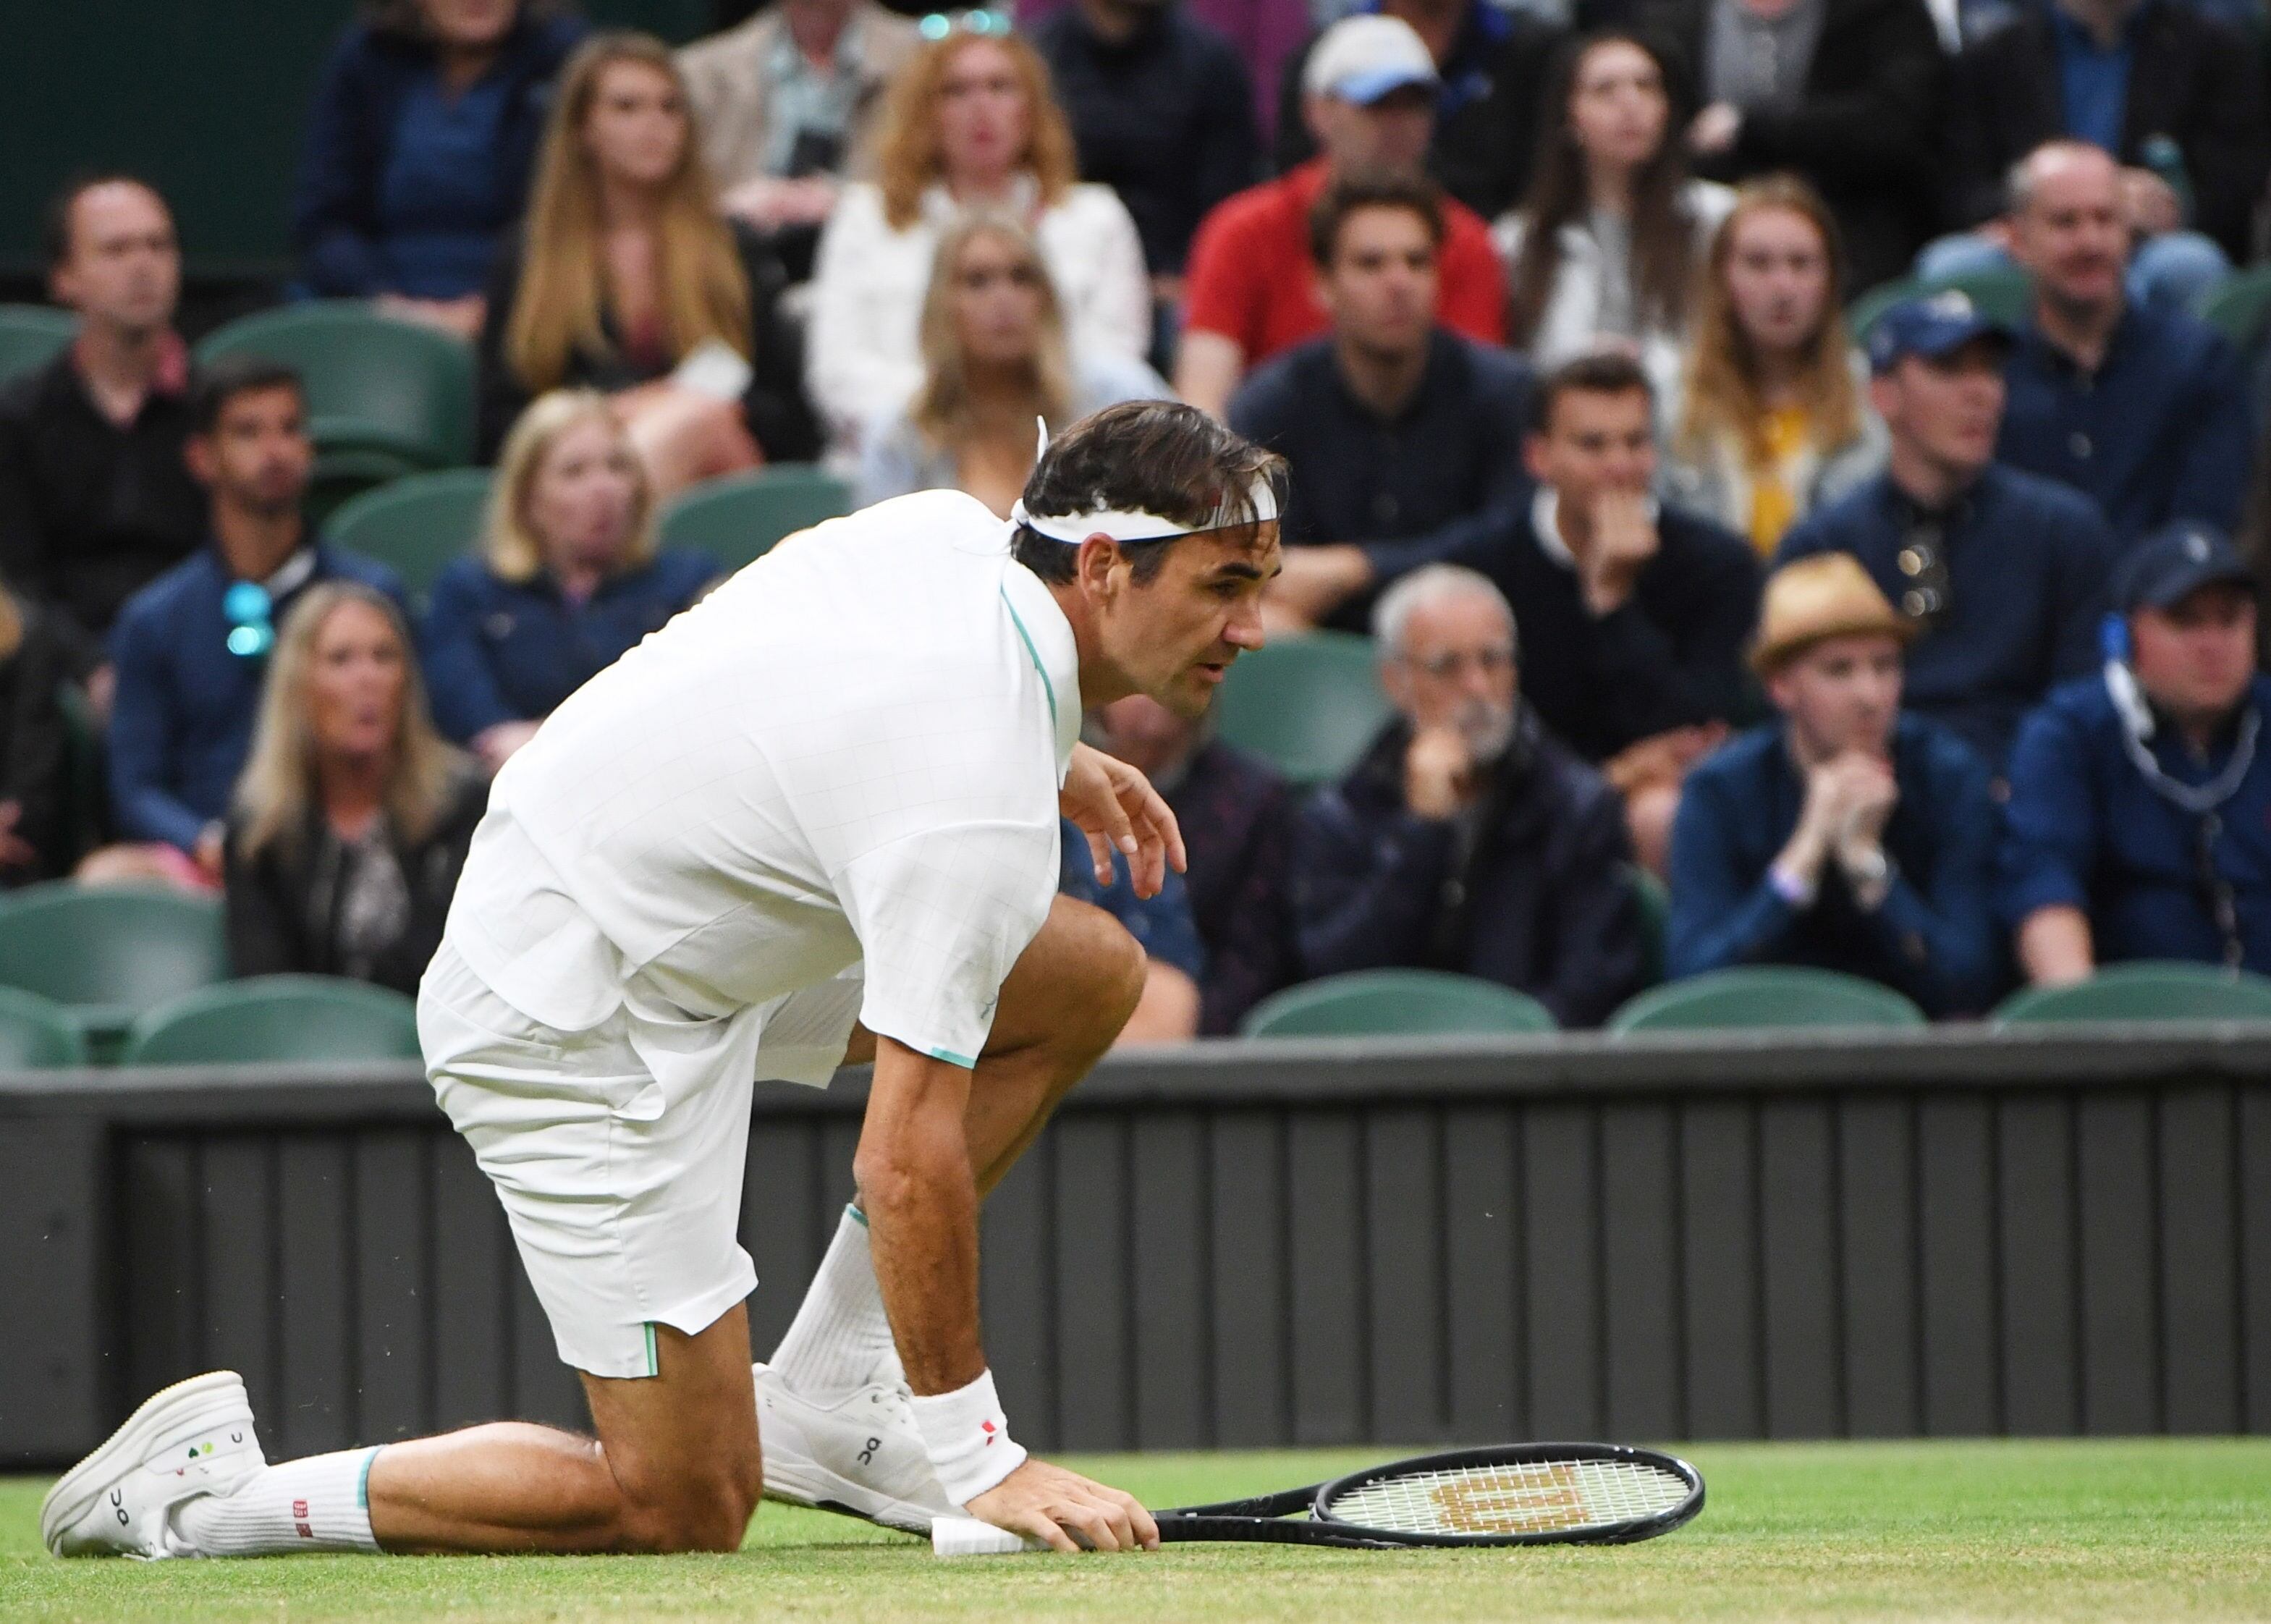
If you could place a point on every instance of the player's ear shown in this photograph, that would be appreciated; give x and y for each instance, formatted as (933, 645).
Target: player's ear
(1100, 557)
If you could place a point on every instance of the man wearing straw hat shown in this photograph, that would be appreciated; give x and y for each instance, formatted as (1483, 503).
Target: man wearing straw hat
(1849, 835)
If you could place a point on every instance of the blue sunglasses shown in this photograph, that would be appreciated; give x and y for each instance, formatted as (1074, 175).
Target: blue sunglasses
(251, 615)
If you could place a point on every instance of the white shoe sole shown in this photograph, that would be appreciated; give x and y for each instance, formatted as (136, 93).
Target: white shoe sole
(175, 1413)
(809, 1484)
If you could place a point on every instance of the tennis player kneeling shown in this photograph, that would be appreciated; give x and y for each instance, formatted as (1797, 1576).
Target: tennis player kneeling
(813, 819)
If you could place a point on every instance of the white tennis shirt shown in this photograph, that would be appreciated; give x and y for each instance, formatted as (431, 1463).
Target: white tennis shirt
(849, 751)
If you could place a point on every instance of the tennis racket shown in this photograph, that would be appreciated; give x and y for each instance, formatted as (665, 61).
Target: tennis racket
(1532, 1493)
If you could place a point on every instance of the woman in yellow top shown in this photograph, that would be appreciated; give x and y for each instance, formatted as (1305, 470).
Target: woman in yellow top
(1773, 420)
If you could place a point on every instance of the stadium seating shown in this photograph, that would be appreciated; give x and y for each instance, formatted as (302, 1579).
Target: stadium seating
(2001, 291)
(2148, 991)
(416, 526)
(1767, 995)
(276, 1018)
(1655, 905)
(37, 1034)
(737, 520)
(2240, 309)
(1308, 704)
(30, 336)
(108, 954)
(374, 384)
(1394, 1003)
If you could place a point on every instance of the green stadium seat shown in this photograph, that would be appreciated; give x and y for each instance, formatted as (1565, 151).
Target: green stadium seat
(30, 336)
(418, 526)
(374, 384)
(2240, 309)
(1308, 704)
(2003, 292)
(106, 954)
(1765, 996)
(276, 1018)
(2149, 990)
(1394, 1003)
(1655, 906)
(37, 1034)
(737, 520)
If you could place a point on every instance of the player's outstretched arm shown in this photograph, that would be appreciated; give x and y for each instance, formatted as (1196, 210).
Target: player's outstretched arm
(1116, 808)
(920, 1196)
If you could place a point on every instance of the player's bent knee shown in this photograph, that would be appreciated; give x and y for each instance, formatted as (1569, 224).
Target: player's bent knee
(1099, 956)
(702, 1512)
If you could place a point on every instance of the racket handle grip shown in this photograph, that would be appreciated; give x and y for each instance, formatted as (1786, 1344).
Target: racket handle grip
(966, 1535)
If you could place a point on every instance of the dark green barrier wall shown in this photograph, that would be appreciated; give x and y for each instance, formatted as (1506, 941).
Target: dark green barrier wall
(205, 97)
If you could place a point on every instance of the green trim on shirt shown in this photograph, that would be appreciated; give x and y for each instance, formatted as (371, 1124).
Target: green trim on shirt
(948, 1055)
(1047, 688)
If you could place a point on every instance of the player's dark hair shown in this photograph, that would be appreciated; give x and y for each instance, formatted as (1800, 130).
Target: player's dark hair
(1415, 194)
(56, 231)
(1157, 456)
(1596, 372)
(232, 375)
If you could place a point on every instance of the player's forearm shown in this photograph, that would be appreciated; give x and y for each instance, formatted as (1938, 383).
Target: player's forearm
(920, 1196)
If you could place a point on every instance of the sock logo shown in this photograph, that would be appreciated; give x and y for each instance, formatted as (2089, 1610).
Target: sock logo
(988, 1428)
(300, 1520)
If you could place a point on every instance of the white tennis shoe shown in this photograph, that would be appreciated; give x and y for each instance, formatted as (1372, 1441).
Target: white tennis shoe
(193, 1438)
(862, 1456)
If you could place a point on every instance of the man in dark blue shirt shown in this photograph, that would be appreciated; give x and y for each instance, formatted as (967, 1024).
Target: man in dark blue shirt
(1404, 439)
(191, 648)
(1849, 834)
(2139, 824)
(2144, 410)
(1162, 111)
(2004, 573)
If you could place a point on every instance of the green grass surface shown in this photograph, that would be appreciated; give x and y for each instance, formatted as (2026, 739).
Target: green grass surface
(2144, 1530)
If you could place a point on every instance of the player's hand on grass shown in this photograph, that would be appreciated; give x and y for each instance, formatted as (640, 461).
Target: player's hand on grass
(1066, 1510)
(1117, 808)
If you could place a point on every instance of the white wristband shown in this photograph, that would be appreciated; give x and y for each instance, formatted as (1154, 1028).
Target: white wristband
(967, 1438)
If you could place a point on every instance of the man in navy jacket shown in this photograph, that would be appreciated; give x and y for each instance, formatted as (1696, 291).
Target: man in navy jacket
(1849, 834)
(2143, 410)
(2139, 824)
(2003, 573)
(1468, 839)
(191, 648)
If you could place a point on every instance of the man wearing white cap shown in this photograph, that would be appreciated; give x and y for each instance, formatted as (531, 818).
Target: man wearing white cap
(812, 821)
(1369, 97)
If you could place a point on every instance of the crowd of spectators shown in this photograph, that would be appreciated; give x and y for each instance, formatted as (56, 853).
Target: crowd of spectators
(1928, 652)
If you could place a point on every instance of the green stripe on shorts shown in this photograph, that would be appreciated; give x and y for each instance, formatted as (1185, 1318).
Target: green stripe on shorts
(653, 1364)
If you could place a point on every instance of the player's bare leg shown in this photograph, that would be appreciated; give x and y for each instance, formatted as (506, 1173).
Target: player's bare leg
(676, 1466)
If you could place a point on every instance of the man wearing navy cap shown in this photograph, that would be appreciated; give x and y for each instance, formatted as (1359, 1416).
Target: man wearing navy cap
(2139, 824)
(2002, 572)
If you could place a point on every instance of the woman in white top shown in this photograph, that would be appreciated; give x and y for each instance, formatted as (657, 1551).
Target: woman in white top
(1605, 245)
(969, 124)
(1772, 419)
(995, 358)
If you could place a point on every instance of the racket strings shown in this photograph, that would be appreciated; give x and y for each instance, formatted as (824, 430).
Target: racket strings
(1524, 1498)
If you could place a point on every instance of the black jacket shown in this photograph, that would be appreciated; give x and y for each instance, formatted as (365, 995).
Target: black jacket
(1864, 133)
(31, 746)
(1542, 906)
(283, 903)
(779, 415)
(2191, 78)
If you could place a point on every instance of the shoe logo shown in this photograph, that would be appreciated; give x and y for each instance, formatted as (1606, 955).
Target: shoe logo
(197, 1449)
(236, 1437)
(868, 1454)
(300, 1520)
(118, 1504)
(988, 1428)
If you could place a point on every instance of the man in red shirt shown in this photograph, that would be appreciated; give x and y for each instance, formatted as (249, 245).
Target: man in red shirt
(1370, 99)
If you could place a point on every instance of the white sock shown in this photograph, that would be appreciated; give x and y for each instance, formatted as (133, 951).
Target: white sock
(316, 1504)
(839, 1341)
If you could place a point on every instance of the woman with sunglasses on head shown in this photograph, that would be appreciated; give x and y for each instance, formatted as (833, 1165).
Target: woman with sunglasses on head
(1604, 245)
(353, 818)
(970, 123)
(994, 359)
(1774, 419)
(567, 578)
(625, 278)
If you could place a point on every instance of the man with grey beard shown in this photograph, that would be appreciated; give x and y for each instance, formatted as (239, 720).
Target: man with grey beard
(1469, 837)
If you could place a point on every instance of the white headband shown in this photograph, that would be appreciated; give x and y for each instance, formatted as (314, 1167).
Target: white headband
(1134, 523)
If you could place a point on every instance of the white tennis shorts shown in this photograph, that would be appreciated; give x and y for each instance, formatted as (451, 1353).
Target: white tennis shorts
(618, 1153)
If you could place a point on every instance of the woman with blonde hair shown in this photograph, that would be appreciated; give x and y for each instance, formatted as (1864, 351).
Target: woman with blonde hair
(567, 578)
(352, 819)
(1773, 420)
(995, 358)
(970, 123)
(623, 278)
